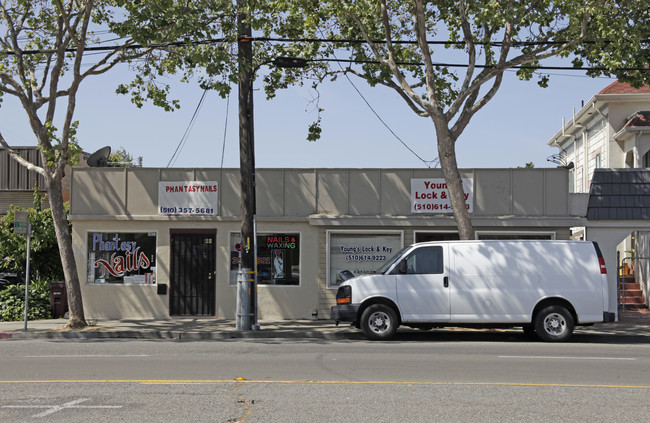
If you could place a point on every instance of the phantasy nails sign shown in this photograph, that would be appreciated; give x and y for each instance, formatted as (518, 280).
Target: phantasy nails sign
(121, 257)
(193, 198)
(431, 196)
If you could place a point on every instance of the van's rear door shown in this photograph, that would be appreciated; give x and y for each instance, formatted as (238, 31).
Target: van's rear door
(423, 291)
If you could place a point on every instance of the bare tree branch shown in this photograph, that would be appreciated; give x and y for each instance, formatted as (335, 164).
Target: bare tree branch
(18, 158)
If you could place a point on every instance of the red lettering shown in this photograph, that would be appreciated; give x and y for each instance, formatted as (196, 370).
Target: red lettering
(426, 195)
(143, 262)
(120, 265)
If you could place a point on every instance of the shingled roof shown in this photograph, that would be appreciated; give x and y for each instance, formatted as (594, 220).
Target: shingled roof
(624, 88)
(619, 194)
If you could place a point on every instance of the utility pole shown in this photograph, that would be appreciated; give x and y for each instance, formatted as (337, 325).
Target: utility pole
(245, 280)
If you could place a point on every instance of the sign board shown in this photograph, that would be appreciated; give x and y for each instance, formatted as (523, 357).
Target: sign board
(430, 195)
(21, 222)
(361, 254)
(193, 198)
(126, 258)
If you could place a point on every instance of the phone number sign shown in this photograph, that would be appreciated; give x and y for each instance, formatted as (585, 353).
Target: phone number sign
(430, 195)
(193, 198)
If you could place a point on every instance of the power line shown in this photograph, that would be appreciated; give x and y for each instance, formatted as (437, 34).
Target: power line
(225, 130)
(426, 163)
(345, 41)
(183, 140)
(513, 43)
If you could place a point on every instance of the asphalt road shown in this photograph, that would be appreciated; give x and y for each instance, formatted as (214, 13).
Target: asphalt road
(321, 381)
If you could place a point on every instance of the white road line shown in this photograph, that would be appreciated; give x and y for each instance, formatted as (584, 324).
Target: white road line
(51, 409)
(88, 356)
(550, 357)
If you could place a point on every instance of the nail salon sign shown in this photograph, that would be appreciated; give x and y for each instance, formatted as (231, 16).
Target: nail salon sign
(192, 198)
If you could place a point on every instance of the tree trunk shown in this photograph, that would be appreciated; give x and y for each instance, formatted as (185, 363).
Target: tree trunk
(449, 166)
(75, 304)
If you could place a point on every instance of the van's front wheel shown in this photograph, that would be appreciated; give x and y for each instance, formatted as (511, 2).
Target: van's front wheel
(554, 324)
(379, 322)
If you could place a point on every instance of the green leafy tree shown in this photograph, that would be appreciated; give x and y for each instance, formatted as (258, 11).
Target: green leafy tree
(45, 263)
(42, 65)
(208, 54)
(486, 37)
(12, 302)
(406, 45)
(121, 158)
(622, 48)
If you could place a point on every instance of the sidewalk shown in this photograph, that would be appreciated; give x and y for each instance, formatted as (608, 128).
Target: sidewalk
(181, 328)
(635, 330)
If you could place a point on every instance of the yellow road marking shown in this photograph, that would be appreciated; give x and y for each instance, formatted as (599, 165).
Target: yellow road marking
(319, 382)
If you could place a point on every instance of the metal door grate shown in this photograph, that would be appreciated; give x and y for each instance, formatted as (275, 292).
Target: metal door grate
(192, 284)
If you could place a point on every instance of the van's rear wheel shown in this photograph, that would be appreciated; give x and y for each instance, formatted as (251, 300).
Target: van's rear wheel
(379, 322)
(554, 324)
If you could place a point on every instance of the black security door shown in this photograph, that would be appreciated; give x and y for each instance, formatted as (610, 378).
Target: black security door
(192, 284)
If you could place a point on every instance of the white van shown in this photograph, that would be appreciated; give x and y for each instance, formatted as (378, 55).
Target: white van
(546, 287)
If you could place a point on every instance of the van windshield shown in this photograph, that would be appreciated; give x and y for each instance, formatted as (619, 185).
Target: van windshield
(383, 269)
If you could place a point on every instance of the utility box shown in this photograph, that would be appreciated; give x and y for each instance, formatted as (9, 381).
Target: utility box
(58, 299)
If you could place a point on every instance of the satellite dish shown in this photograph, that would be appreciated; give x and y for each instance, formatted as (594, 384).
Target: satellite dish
(99, 158)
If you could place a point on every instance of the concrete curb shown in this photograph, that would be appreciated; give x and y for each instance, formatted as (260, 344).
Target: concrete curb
(181, 335)
(193, 329)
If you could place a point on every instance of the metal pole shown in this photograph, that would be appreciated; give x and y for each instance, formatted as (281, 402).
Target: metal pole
(29, 239)
(256, 325)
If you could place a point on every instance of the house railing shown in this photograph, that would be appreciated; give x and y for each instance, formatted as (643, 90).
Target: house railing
(632, 278)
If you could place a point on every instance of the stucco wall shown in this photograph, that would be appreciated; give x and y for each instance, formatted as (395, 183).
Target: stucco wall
(116, 301)
(124, 193)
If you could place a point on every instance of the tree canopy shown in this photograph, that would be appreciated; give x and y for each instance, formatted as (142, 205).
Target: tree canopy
(444, 59)
(43, 63)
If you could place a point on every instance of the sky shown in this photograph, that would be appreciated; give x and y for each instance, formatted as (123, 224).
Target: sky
(510, 131)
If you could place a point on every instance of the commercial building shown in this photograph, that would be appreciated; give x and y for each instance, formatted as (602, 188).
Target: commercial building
(154, 243)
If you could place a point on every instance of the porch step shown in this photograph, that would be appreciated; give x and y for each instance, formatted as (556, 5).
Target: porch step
(631, 294)
(633, 301)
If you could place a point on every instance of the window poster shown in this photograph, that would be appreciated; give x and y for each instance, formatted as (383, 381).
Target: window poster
(359, 253)
(122, 258)
(278, 258)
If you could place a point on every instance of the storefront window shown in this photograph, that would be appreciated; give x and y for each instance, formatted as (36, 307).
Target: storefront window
(360, 253)
(121, 258)
(278, 258)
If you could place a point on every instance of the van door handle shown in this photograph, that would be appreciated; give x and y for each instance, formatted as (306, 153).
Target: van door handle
(446, 281)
